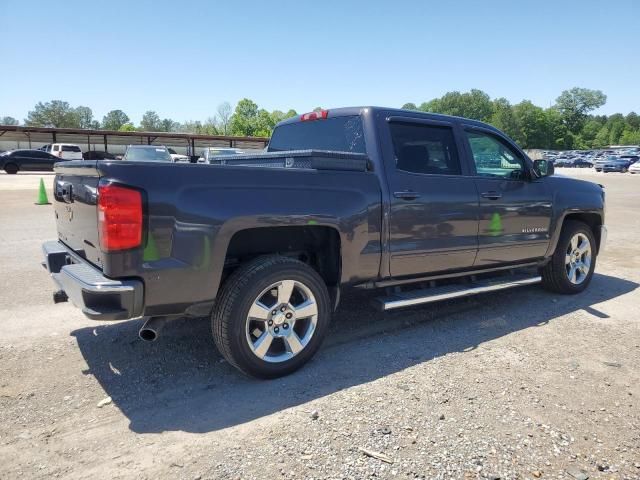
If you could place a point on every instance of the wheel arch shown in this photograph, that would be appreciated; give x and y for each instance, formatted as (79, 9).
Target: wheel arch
(319, 246)
(592, 219)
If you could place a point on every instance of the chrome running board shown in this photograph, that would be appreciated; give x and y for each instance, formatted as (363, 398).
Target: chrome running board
(446, 292)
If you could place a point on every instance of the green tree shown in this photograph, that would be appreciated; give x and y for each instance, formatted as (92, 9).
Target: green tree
(127, 127)
(602, 137)
(590, 131)
(9, 121)
(85, 117)
(616, 126)
(168, 125)
(409, 106)
(473, 104)
(114, 119)
(532, 125)
(630, 137)
(244, 120)
(277, 116)
(55, 113)
(633, 120)
(558, 137)
(264, 123)
(575, 104)
(504, 119)
(150, 122)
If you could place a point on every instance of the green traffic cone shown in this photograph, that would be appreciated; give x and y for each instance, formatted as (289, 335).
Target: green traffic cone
(495, 225)
(42, 195)
(150, 253)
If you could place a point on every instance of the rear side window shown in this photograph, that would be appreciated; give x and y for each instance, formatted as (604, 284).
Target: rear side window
(341, 134)
(56, 148)
(426, 149)
(70, 148)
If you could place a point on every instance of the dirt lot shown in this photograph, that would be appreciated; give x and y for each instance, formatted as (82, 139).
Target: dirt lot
(522, 384)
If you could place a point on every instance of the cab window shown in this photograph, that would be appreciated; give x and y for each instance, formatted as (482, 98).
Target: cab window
(493, 157)
(425, 149)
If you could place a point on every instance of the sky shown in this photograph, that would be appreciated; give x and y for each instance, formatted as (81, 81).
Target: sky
(183, 58)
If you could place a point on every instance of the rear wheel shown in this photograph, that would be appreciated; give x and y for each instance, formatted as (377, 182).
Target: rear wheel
(572, 264)
(271, 316)
(11, 168)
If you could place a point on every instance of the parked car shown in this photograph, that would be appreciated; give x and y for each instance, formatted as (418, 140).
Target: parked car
(65, 151)
(562, 162)
(98, 155)
(430, 206)
(581, 163)
(635, 168)
(14, 161)
(147, 153)
(177, 157)
(210, 152)
(601, 162)
(630, 158)
(614, 164)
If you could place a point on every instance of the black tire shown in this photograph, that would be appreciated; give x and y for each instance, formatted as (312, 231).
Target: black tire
(11, 168)
(554, 273)
(237, 295)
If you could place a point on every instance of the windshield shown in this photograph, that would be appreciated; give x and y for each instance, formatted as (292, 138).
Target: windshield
(341, 134)
(147, 155)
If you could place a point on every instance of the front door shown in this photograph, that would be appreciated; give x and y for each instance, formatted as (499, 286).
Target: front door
(433, 221)
(515, 207)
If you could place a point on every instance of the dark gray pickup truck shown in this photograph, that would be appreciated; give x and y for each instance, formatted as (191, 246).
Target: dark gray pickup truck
(424, 207)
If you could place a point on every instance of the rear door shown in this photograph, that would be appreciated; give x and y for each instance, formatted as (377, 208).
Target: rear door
(40, 160)
(433, 218)
(515, 208)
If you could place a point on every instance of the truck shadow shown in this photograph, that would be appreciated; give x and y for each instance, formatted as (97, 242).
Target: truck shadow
(182, 383)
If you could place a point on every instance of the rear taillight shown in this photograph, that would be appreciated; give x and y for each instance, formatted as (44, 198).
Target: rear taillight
(319, 115)
(119, 217)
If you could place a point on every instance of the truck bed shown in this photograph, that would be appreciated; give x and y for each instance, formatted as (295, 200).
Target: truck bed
(193, 211)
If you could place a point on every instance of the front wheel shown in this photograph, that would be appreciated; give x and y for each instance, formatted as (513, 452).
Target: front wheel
(271, 316)
(572, 264)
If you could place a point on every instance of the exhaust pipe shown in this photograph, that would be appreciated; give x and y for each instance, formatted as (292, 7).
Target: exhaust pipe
(152, 328)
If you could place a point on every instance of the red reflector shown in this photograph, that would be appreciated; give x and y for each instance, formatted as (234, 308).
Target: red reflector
(119, 217)
(321, 115)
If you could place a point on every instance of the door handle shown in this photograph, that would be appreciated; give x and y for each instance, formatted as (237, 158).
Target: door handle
(491, 195)
(406, 195)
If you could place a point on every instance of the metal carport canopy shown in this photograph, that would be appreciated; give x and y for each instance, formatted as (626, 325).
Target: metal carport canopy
(89, 139)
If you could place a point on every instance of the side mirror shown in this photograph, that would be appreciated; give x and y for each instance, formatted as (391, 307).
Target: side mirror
(544, 168)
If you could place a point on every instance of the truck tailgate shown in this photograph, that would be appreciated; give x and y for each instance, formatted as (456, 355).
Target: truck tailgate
(75, 196)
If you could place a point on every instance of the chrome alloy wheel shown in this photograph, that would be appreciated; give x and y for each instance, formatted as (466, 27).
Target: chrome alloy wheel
(578, 258)
(281, 321)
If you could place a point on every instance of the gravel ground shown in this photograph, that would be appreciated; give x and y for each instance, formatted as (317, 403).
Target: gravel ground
(521, 384)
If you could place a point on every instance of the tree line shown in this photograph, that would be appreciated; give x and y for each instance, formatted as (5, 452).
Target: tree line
(246, 120)
(568, 124)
